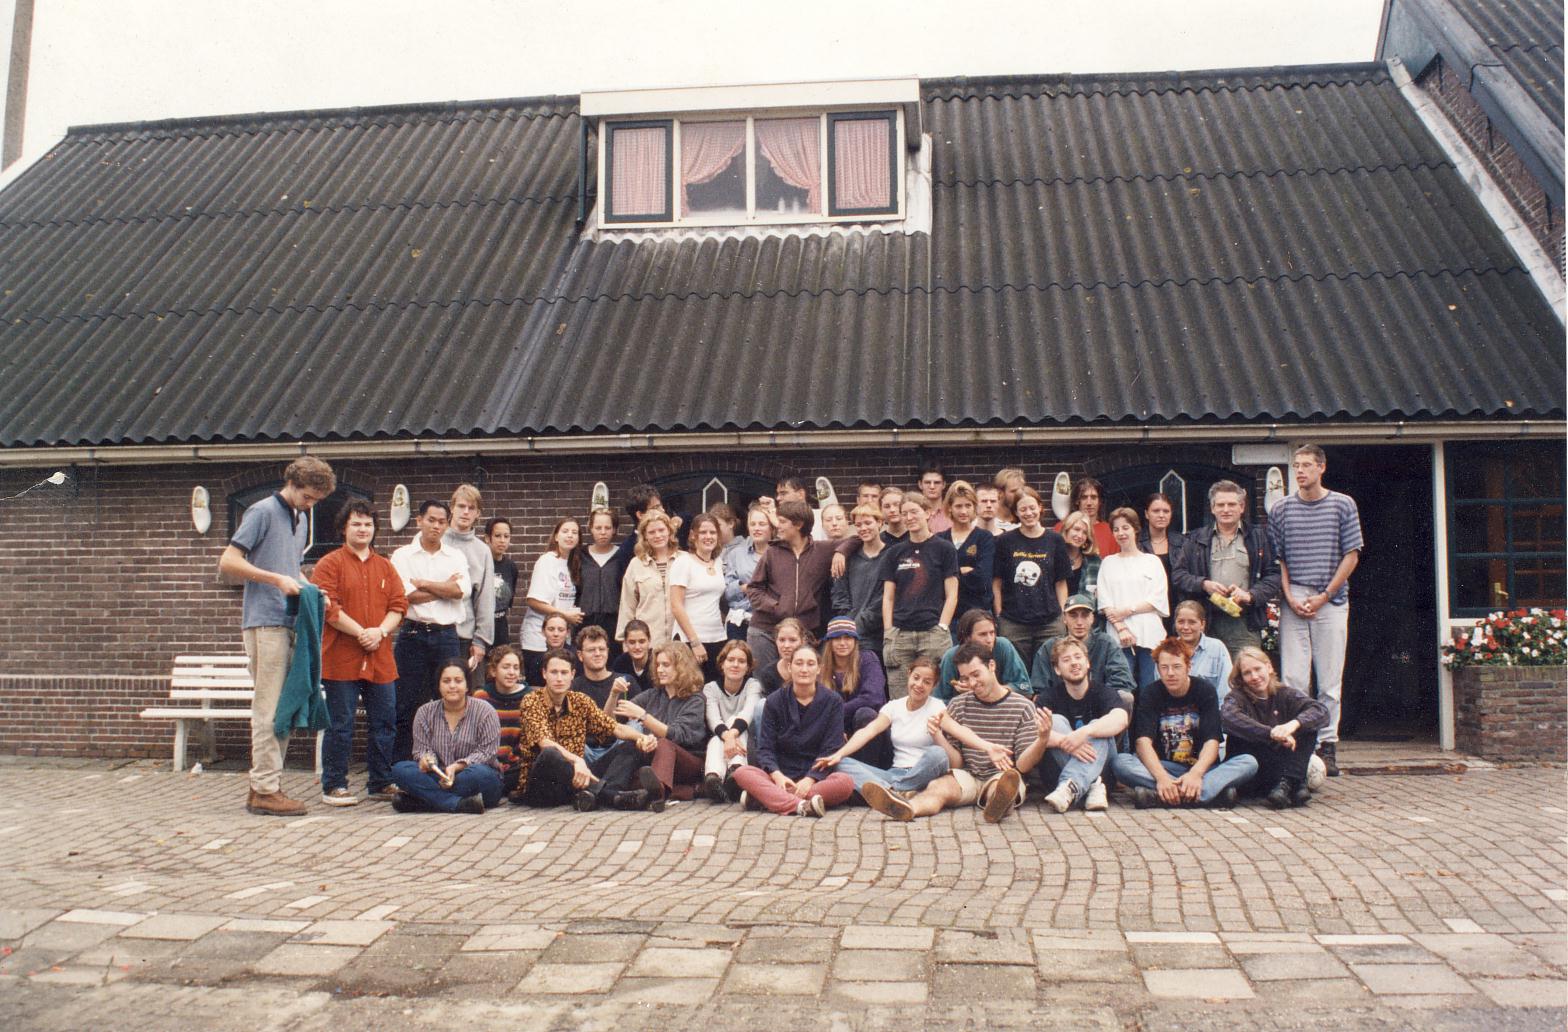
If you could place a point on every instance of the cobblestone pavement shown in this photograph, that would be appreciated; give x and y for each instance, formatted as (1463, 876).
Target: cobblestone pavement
(1391, 902)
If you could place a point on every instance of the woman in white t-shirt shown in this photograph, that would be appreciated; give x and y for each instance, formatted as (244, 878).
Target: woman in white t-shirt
(1132, 596)
(696, 589)
(918, 757)
(552, 589)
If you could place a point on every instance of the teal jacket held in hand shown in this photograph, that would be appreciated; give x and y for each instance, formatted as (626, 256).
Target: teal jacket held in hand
(302, 706)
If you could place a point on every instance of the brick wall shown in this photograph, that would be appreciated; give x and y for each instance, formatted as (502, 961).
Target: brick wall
(1544, 218)
(104, 581)
(1512, 713)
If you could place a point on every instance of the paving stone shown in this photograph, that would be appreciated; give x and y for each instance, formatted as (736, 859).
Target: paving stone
(569, 979)
(983, 982)
(1271, 967)
(1181, 955)
(187, 927)
(1258, 947)
(1008, 946)
(25, 960)
(498, 938)
(887, 937)
(16, 923)
(136, 955)
(1362, 940)
(307, 959)
(666, 962)
(1096, 940)
(1135, 938)
(254, 924)
(695, 934)
(1489, 955)
(1085, 966)
(776, 979)
(101, 917)
(1200, 984)
(1311, 994)
(879, 965)
(784, 951)
(1410, 979)
(593, 949)
(682, 991)
(399, 965)
(1524, 992)
(344, 933)
(467, 975)
(69, 974)
(1405, 953)
(55, 935)
(219, 956)
(889, 994)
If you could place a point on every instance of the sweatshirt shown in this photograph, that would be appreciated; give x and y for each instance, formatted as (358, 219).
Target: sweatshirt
(1252, 719)
(686, 717)
(478, 623)
(791, 737)
(786, 584)
(725, 711)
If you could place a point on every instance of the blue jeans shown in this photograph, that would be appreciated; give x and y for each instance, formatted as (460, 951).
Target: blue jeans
(420, 650)
(1081, 772)
(483, 781)
(932, 764)
(1141, 662)
(380, 702)
(1233, 772)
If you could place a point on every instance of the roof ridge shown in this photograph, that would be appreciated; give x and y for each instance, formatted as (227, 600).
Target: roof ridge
(1527, 46)
(1153, 83)
(1169, 177)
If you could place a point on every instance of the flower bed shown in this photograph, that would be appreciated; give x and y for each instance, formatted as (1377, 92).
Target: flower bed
(1510, 686)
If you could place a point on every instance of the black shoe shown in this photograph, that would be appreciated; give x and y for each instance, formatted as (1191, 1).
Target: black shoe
(731, 787)
(471, 804)
(713, 788)
(1226, 800)
(1326, 750)
(1279, 796)
(1300, 794)
(404, 803)
(1145, 798)
(584, 800)
(637, 799)
(649, 782)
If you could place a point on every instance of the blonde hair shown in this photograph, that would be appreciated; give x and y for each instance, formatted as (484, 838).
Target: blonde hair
(1073, 519)
(1004, 475)
(687, 680)
(875, 512)
(642, 550)
(470, 494)
(956, 490)
(834, 664)
(1256, 654)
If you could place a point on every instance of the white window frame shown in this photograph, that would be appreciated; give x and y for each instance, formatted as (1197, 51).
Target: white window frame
(752, 217)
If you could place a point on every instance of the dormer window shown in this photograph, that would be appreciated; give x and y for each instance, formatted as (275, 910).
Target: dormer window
(744, 167)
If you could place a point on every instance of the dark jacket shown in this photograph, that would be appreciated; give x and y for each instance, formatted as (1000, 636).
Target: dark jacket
(686, 718)
(1252, 719)
(1107, 665)
(600, 591)
(790, 739)
(858, 595)
(787, 584)
(870, 690)
(1191, 568)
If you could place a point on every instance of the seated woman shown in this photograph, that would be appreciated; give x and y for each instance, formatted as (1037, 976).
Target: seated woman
(727, 704)
(789, 635)
(556, 725)
(917, 758)
(979, 625)
(674, 712)
(504, 691)
(1276, 725)
(455, 739)
(1210, 657)
(855, 673)
(799, 724)
(637, 650)
(557, 635)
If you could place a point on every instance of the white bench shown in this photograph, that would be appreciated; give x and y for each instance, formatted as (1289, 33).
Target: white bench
(207, 680)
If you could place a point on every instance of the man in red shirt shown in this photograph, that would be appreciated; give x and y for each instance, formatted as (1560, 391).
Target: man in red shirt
(365, 603)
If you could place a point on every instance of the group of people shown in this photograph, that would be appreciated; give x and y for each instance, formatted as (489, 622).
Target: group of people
(921, 649)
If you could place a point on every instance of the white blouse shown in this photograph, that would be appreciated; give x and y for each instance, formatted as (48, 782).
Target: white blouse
(704, 589)
(1128, 581)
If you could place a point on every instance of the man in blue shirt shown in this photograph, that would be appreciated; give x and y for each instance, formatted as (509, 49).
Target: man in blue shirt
(265, 553)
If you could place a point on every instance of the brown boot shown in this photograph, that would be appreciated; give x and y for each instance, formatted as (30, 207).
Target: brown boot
(274, 804)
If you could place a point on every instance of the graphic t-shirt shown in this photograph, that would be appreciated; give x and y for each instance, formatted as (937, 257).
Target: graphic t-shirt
(918, 571)
(1029, 569)
(1178, 727)
(550, 583)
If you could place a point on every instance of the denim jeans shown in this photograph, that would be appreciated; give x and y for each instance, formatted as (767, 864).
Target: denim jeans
(483, 781)
(932, 764)
(380, 701)
(1234, 772)
(1141, 662)
(420, 650)
(1081, 772)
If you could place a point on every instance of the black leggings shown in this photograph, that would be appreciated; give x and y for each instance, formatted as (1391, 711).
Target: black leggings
(1275, 762)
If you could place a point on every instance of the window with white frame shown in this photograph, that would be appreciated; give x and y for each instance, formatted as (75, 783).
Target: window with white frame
(755, 168)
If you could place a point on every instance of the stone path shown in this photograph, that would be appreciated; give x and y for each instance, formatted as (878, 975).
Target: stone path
(1390, 902)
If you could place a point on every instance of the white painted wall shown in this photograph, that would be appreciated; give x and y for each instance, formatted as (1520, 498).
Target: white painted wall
(127, 60)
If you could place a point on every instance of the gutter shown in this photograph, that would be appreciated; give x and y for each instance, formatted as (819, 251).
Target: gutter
(1397, 432)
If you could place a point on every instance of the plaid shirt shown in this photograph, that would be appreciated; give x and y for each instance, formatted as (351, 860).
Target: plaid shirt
(578, 718)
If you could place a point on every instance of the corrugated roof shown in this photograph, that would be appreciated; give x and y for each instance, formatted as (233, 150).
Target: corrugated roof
(1251, 245)
(1526, 36)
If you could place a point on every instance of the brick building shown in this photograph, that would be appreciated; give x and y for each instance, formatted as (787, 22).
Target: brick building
(1158, 280)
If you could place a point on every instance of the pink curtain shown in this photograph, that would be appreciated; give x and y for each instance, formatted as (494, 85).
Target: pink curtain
(638, 175)
(707, 148)
(860, 156)
(793, 147)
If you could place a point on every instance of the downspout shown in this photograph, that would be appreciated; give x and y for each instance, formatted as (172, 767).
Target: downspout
(582, 171)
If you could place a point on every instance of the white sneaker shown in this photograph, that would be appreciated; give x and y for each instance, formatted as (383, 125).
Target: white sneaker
(340, 797)
(1317, 772)
(1063, 798)
(816, 806)
(1096, 799)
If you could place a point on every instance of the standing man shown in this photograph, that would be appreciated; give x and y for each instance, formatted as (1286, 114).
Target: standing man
(790, 580)
(1317, 534)
(476, 631)
(265, 553)
(1233, 561)
(498, 535)
(988, 503)
(933, 485)
(1107, 661)
(365, 603)
(435, 582)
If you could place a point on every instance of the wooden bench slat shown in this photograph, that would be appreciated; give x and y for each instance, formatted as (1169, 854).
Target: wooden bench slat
(191, 713)
(216, 695)
(229, 658)
(211, 682)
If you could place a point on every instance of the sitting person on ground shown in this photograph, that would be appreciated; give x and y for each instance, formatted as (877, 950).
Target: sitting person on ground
(913, 724)
(504, 691)
(788, 636)
(728, 704)
(557, 635)
(1274, 724)
(979, 625)
(800, 723)
(1009, 738)
(1086, 717)
(1107, 662)
(919, 594)
(854, 672)
(1176, 735)
(597, 681)
(637, 650)
(557, 724)
(1210, 658)
(674, 712)
(453, 769)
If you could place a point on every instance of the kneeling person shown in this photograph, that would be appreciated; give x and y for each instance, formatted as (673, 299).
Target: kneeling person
(1086, 716)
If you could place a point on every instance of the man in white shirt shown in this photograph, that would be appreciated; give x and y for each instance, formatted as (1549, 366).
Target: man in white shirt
(436, 581)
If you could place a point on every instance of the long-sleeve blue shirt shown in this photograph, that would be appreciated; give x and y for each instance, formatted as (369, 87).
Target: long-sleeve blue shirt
(791, 736)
